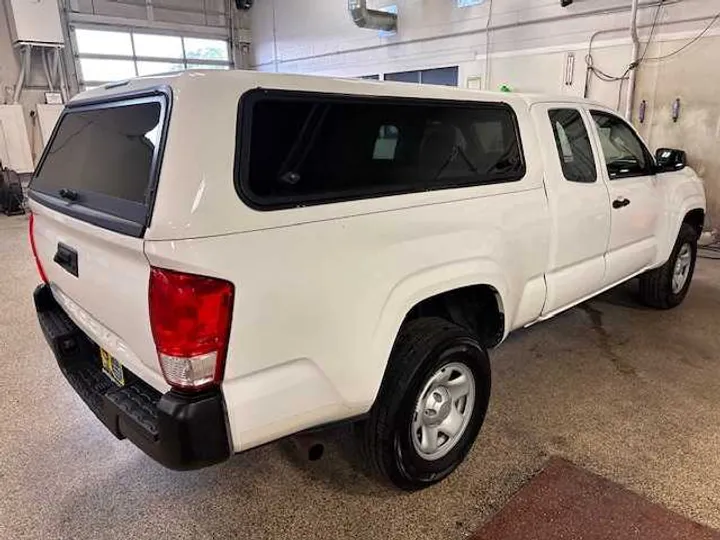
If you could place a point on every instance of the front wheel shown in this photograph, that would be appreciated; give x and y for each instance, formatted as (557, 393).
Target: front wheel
(431, 404)
(667, 286)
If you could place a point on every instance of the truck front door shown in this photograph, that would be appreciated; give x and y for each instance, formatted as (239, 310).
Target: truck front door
(634, 197)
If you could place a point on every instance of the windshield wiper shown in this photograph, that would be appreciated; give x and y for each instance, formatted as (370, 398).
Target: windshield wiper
(69, 194)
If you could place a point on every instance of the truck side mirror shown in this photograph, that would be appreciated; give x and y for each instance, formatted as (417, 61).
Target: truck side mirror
(670, 159)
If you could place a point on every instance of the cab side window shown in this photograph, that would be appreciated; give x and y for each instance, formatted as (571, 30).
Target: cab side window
(625, 154)
(573, 145)
(300, 148)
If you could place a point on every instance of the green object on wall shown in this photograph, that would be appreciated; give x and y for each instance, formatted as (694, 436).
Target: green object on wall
(506, 88)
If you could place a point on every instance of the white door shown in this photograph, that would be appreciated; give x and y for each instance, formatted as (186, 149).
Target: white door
(579, 205)
(634, 195)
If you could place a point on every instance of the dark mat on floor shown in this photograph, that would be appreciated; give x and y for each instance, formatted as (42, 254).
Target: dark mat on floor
(567, 502)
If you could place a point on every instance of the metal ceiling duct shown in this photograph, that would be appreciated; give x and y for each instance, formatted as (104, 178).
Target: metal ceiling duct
(371, 18)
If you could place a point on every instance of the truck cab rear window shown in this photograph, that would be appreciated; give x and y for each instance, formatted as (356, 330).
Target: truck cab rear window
(102, 158)
(297, 149)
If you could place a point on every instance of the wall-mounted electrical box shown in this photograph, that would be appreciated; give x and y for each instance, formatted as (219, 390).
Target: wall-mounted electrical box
(34, 21)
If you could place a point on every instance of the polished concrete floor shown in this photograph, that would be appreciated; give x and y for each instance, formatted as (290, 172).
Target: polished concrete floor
(629, 393)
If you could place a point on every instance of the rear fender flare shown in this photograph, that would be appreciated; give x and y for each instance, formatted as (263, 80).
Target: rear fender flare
(424, 284)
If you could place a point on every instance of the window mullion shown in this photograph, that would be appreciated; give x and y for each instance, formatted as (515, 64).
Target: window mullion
(134, 56)
(182, 42)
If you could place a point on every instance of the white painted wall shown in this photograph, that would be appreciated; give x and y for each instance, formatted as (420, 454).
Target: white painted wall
(529, 41)
(9, 67)
(321, 38)
(694, 77)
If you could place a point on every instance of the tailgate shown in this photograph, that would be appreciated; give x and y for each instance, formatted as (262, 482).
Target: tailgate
(91, 199)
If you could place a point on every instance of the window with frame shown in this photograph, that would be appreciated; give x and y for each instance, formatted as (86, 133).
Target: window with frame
(297, 148)
(111, 55)
(108, 154)
(573, 145)
(447, 76)
(625, 153)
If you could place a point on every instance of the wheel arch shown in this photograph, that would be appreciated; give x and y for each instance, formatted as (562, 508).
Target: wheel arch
(692, 213)
(478, 307)
(433, 294)
(696, 219)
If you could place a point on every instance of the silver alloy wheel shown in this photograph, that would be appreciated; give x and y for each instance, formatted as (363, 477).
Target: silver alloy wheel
(682, 268)
(443, 410)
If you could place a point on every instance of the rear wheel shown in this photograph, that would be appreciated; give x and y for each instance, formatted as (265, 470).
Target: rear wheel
(431, 404)
(667, 286)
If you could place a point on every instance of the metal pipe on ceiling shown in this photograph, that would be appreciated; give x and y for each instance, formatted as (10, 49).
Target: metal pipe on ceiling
(25, 60)
(274, 32)
(46, 69)
(486, 78)
(55, 66)
(64, 91)
(231, 33)
(633, 60)
(371, 18)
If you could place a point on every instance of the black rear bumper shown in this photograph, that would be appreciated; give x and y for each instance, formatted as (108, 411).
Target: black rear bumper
(181, 431)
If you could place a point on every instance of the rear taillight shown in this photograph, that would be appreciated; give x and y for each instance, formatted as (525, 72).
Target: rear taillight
(31, 234)
(190, 320)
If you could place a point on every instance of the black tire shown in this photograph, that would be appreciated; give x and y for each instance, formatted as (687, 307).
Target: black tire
(422, 348)
(656, 288)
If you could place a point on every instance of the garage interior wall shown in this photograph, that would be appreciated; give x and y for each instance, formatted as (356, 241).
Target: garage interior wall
(530, 42)
(198, 18)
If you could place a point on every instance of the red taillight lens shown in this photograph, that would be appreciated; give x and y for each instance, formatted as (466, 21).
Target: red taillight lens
(31, 234)
(190, 320)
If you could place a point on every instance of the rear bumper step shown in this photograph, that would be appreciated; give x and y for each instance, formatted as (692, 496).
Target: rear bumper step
(180, 431)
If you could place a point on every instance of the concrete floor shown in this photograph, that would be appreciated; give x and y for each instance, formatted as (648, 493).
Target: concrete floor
(629, 393)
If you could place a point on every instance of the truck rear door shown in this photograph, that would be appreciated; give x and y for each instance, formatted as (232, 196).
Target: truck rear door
(91, 199)
(579, 205)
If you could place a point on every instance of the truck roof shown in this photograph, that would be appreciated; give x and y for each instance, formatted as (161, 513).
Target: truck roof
(217, 83)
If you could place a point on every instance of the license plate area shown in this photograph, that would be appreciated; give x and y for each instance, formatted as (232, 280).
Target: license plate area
(112, 367)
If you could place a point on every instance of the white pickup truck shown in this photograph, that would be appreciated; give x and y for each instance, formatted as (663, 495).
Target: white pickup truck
(232, 258)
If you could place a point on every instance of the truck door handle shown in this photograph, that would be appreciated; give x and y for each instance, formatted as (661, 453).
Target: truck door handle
(67, 258)
(620, 202)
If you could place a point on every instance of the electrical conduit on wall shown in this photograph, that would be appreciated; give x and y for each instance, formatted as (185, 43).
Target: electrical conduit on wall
(633, 60)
